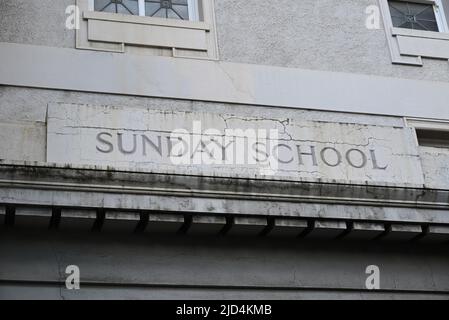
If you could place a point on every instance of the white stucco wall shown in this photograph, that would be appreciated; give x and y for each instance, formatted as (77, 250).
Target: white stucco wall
(310, 34)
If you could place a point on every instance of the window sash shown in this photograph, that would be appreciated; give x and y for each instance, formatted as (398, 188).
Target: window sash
(192, 6)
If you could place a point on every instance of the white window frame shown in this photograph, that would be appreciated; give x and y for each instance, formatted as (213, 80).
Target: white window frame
(426, 124)
(441, 16)
(408, 46)
(192, 6)
(195, 38)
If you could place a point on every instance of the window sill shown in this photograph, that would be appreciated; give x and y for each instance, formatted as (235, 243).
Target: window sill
(419, 34)
(144, 31)
(114, 17)
(418, 43)
(112, 32)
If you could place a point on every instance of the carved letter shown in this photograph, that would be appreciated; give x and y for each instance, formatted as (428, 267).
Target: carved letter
(120, 144)
(348, 158)
(146, 140)
(107, 143)
(374, 160)
(312, 154)
(336, 152)
(275, 152)
(178, 150)
(263, 152)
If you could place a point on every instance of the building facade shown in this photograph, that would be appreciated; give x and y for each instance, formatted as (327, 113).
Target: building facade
(224, 149)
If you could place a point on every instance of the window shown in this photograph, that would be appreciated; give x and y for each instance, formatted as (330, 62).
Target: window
(433, 138)
(430, 133)
(416, 16)
(117, 6)
(175, 9)
(174, 28)
(172, 9)
(416, 29)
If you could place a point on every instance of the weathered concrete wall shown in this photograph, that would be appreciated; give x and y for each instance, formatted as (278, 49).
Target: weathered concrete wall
(23, 113)
(435, 164)
(309, 34)
(213, 267)
(24, 107)
(212, 144)
(22, 141)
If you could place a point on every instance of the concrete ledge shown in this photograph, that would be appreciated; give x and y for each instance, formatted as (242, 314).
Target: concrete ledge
(285, 227)
(206, 225)
(164, 223)
(120, 221)
(32, 217)
(247, 226)
(365, 231)
(40, 177)
(46, 67)
(402, 232)
(436, 234)
(158, 222)
(220, 206)
(149, 193)
(75, 219)
(326, 230)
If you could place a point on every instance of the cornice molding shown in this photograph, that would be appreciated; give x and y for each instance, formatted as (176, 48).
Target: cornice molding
(72, 179)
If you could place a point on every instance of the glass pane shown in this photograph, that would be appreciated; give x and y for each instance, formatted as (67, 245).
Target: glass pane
(172, 9)
(152, 8)
(398, 21)
(408, 25)
(118, 6)
(101, 5)
(417, 8)
(428, 25)
(410, 15)
(181, 11)
(427, 14)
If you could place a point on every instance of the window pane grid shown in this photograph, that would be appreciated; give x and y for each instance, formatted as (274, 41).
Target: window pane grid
(171, 9)
(118, 6)
(411, 15)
